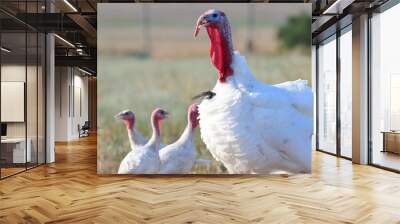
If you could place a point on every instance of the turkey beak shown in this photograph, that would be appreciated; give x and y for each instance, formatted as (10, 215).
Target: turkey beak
(118, 116)
(166, 114)
(200, 22)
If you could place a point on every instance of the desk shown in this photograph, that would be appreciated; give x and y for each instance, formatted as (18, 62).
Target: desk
(391, 141)
(15, 148)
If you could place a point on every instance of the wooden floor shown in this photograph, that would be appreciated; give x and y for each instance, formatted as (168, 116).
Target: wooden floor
(10, 171)
(70, 191)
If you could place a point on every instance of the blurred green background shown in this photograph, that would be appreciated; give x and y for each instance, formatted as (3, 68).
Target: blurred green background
(148, 58)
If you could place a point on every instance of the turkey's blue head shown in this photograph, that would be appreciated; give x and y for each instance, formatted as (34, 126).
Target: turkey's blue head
(221, 47)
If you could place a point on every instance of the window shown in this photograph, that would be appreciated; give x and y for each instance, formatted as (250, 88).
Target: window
(346, 92)
(327, 96)
(385, 89)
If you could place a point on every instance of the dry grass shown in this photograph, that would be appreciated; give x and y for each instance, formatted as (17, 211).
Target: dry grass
(144, 84)
(166, 42)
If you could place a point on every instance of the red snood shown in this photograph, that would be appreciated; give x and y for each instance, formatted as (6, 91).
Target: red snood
(220, 52)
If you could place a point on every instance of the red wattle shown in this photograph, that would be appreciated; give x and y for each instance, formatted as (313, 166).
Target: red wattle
(220, 53)
(158, 125)
(129, 123)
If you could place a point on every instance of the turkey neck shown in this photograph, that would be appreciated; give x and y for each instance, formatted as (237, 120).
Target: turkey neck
(192, 124)
(221, 49)
(187, 133)
(155, 137)
(131, 136)
(131, 132)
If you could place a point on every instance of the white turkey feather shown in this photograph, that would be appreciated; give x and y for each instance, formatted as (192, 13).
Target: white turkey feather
(137, 139)
(179, 157)
(253, 127)
(301, 95)
(140, 161)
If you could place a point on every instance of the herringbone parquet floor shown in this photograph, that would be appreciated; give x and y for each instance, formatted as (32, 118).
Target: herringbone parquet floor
(70, 191)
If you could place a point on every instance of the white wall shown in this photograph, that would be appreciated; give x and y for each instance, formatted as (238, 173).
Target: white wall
(70, 84)
(16, 73)
(12, 73)
(62, 81)
(79, 117)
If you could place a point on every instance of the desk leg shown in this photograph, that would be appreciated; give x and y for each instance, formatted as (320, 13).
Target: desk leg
(384, 142)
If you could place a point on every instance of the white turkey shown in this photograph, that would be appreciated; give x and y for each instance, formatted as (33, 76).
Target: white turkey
(179, 157)
(135, 137)
(249, 126)
(145, 159)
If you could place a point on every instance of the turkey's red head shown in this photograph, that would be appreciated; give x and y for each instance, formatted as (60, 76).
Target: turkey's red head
(157, 116)
(193, 115)
(221, 47)
(128, 117)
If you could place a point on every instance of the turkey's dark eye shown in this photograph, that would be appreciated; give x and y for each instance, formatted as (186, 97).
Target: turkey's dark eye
(214, 15)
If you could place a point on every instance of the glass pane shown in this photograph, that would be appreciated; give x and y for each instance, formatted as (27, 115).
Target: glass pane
(327, 96)
(31, 88)
(31, 97)
(346, 94)
(41, 99)
(13, 88)
(386, 89)
(314, 88)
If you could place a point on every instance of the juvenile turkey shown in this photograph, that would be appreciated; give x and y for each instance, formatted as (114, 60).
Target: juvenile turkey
(179, 157)
(135, 137)
(145, 159)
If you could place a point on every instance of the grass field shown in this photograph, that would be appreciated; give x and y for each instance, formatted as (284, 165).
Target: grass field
(179, 67)
(142, 84)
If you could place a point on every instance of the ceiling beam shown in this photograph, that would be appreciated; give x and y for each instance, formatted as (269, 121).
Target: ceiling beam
(84, 24)
(337, 7)
(81, 61)
(320, 23)
(49, 22)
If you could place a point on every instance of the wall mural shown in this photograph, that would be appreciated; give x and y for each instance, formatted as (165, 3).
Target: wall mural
(204, 88)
